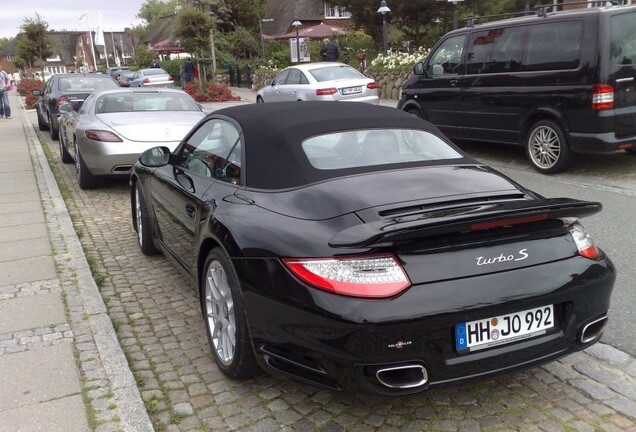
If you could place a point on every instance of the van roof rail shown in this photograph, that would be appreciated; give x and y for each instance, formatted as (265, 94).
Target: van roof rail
(542, 10)
(539, 10)
(471, 21)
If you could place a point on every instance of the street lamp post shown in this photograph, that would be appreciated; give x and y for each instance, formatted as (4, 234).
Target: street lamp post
(297, 24)
(384, 9)
(455, 13)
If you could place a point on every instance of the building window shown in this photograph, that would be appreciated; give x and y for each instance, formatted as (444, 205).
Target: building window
(10, 59)
(332, 11)
(605, 3)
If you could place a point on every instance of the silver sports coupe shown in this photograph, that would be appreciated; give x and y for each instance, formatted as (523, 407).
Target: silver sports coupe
(113, 127)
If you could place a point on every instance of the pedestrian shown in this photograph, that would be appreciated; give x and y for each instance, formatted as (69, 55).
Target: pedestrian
(195, 74)
(5, 82)
(323, 49)
(188, 68)
(332, 51)
(155, 64)
(182, 75)
(16, 78)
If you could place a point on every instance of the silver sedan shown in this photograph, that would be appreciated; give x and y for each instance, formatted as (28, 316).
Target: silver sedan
(113, 127)
(324, 81)
(153, 77)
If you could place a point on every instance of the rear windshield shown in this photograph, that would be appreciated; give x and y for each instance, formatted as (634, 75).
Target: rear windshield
(335, 73)
(623, 39)
(80, 83)
(138, 102)
(152, 72)
(368, 147)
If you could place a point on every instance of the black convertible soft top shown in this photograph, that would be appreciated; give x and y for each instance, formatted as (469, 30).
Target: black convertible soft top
(274, 133)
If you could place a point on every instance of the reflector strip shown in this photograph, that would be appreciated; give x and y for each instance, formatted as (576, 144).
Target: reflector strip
(507, 222)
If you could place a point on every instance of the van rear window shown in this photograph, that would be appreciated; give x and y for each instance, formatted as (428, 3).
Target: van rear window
(623, 39)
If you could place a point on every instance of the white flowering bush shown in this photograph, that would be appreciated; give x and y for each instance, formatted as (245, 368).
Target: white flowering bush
(399, 60)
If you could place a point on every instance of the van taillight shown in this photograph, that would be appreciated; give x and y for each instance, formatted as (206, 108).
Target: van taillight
(602, 97)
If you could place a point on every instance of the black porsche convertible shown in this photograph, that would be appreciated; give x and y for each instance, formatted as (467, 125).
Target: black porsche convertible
(355, 247)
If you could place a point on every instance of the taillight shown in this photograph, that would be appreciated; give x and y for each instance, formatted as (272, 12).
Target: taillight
(146, 80)
(372, 85)
(60, 101)
(371, 277)
(326, 91)
(583, 241)
(170, 78)
(101, 135)
(602, 97)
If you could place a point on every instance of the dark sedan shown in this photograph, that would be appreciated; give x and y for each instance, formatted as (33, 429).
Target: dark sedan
(361, 250)
(124, 78)
(66, 88)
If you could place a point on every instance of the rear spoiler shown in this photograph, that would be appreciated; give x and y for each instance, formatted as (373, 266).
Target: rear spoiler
(490, 216)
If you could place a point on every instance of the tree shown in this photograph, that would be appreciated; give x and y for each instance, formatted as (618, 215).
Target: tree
(422, 22)
(152, 10)
(4, 42)
(143, 57)
(33, 41)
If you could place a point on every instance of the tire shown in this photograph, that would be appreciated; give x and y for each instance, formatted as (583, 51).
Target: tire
(259, 99)
(142, 224)
(85, 179)
(415, 112)
(547, 149)
(41, 124)
(225, 319)
(55, 134)
(64, 155)
(631, 150)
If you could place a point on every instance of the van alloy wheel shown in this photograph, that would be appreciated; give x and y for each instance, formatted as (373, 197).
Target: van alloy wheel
(546, 147)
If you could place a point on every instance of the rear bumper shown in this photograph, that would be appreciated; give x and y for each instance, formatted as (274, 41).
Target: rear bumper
(340, 343)
(114, 158)
(600, 143)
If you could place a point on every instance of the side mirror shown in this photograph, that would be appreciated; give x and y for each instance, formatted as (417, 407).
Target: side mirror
(155, 157)
(269, 82)
(66, 108)
(36, 92)
(419, 69)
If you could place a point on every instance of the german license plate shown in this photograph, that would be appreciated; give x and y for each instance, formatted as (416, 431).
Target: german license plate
(351, 90)
(503, 329)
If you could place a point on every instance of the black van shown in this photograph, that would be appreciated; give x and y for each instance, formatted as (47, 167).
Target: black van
(555, 82)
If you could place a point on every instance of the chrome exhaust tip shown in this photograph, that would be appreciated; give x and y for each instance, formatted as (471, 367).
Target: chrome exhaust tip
(122, 169)
(402, 377)
(593, 330)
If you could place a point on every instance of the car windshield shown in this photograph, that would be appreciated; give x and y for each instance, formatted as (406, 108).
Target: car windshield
(140, 102)
(81, 83)
(335, 73)
(367, 147)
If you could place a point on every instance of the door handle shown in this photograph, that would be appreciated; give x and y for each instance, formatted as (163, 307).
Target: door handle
(453, 82)
(189, 210)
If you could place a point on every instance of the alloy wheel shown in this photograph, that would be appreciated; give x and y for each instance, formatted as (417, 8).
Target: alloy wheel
(545, 147)
(138, 214)
(220, 312)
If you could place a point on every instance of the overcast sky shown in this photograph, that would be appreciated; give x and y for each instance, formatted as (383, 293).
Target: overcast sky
(65, 14)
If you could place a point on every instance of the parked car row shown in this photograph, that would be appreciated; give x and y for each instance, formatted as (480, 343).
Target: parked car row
(354, 246)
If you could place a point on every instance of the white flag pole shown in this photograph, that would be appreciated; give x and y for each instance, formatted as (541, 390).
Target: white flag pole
(83, 18)
(99, 36)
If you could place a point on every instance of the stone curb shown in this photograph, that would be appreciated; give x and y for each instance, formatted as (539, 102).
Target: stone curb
(130, 409)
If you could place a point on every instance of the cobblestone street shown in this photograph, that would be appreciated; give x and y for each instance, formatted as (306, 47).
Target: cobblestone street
(158, 321)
